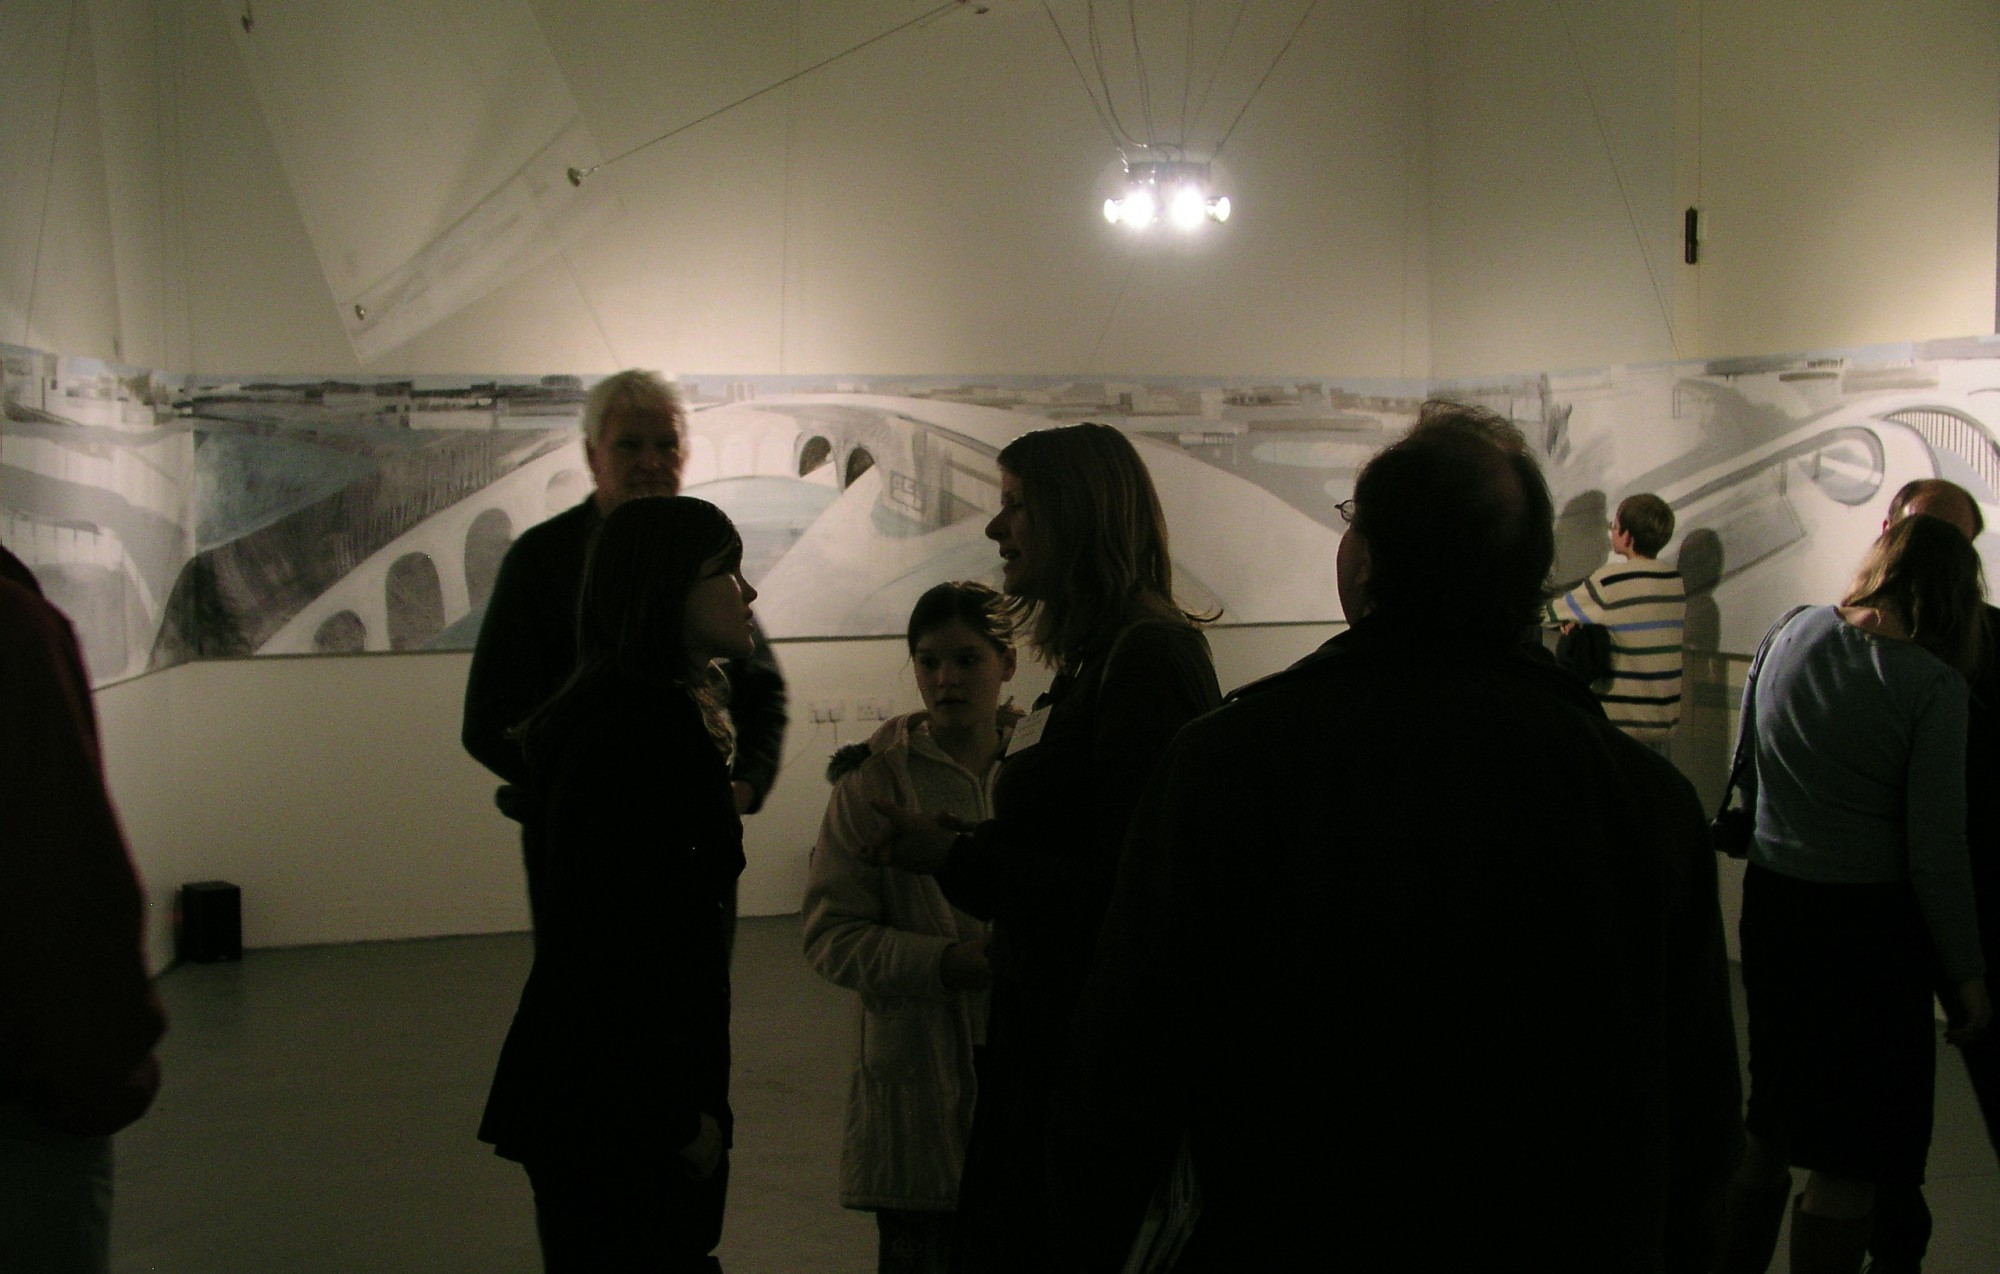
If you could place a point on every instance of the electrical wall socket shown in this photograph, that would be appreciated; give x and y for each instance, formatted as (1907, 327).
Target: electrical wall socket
(873, 709)
(825, 710)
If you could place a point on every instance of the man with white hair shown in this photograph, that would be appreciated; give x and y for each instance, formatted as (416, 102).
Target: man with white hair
(634, 440)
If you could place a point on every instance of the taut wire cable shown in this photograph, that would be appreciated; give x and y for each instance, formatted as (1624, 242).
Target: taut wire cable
(590, 307)
(1145, 86)
(49, 178)
(1104, 79)
(576, 175)
(1610, 157)
(1220, 58)
(1187, 71)
(1111, 316)
(1082, 78)
(1297, 27)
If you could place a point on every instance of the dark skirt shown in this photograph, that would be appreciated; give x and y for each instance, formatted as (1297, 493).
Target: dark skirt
(630, 1209)
(1002, 1225)
(1843, 1042)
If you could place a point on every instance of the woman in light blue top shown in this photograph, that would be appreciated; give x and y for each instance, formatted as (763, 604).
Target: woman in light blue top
(1858, 899)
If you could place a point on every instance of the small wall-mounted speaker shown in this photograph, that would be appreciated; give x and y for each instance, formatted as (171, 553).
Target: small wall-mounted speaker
(208, 922)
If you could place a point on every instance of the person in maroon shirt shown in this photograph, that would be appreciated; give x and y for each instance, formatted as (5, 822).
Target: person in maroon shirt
(78, 1018)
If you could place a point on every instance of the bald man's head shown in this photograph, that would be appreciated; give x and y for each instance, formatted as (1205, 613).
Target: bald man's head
(1937, 498)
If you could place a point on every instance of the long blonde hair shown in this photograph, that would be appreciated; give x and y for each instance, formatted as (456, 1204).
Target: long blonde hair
(1100, 540)
(1925, 574)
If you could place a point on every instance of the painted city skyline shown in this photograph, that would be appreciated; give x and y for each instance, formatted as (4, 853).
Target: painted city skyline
(180, 517)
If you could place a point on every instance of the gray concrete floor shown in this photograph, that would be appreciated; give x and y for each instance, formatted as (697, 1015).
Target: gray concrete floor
(320, 1103)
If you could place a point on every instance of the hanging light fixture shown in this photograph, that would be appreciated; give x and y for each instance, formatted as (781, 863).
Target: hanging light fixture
(1178, 188)
(1159, 182)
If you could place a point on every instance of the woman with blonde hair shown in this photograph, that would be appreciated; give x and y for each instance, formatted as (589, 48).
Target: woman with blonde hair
(612, 1088)
(1085, 565)
(1858, 897)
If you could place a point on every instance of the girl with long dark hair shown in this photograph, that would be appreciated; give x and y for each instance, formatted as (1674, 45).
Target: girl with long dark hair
(612, 1089)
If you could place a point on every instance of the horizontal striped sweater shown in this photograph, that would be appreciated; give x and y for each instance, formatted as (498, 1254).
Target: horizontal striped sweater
(1644, 605)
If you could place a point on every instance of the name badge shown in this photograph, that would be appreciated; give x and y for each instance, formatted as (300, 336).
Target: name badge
(1028, 731)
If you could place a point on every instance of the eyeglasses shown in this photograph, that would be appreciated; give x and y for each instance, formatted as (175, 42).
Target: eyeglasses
(1346, 510)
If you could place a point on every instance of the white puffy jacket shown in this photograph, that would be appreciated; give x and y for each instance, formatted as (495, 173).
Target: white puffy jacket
(882, 932)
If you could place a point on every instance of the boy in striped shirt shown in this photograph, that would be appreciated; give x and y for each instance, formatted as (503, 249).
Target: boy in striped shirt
(1642, 602)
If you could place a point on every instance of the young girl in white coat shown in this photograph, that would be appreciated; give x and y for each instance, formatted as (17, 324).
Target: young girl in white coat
(918, 964)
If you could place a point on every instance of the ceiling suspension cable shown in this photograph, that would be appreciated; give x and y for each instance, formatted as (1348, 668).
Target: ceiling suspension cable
(576, 175)
(1096, 107)
(1611, 158)
(49, 178)
(1187, 72)
(1220, 58)
(1145, 86)
(1104, 79)
(1300, 25)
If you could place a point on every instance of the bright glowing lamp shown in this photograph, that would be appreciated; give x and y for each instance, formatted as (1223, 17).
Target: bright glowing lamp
(1188, 207)
(1161, 189)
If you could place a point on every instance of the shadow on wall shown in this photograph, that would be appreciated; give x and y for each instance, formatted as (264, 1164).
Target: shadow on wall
(1700, 565)
(1705, 741)
(1582, 544)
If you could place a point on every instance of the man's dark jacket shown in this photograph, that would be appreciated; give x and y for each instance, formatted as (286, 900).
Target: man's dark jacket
(1426, 959)
(527, 649)
(1982, 835)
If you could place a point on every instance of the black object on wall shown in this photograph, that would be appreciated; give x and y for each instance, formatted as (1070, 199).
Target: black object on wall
(208, 923)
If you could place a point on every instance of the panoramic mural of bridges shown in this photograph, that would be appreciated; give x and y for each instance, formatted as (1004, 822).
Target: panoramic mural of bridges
(190, 517)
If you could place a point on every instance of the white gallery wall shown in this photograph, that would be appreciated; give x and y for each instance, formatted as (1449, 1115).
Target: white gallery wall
(1846, 153)
(334, 792)
(1843, 153)
(1447, 189)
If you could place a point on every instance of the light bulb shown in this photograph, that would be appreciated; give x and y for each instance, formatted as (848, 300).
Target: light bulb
(1218, 207)
(1111, 211)
(1140, 208)
(1187, 208)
